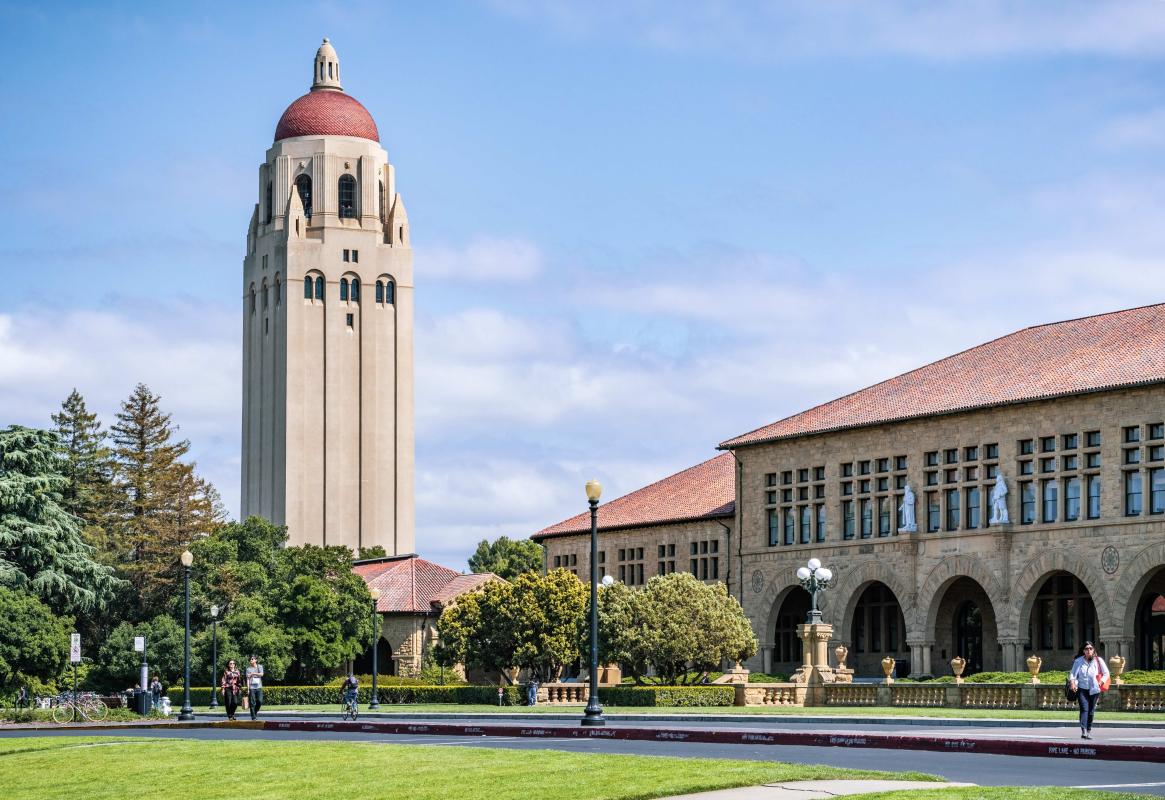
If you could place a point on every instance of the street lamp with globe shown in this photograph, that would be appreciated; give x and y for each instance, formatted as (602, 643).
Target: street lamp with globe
(214, 656)
(187, 713)
(593, 716)
(814, 578)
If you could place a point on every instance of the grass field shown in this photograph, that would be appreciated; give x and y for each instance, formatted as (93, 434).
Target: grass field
(111, 768)
(815, 711)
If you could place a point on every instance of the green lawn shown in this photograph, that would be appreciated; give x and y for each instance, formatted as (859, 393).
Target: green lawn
(1005, 793)
(815, 711)
(111, 768)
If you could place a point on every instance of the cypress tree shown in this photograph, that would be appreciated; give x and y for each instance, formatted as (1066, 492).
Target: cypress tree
(87, 465)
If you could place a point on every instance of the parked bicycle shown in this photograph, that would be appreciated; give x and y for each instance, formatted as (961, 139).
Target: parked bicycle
(87, 706)
(351, 708)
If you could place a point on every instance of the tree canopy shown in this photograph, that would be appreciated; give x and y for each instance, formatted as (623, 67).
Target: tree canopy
(676, 626)
(507, 558)
(34, 642)
(41, 547)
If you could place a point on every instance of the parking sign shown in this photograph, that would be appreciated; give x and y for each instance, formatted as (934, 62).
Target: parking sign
(75, 648)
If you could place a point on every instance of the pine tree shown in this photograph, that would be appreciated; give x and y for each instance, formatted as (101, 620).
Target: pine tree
(162, 504)
(87, 464)
(41, 548)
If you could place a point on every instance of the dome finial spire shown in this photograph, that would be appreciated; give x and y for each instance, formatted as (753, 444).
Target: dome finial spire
(326, 68)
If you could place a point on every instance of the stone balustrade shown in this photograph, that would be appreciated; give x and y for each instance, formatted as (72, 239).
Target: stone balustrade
(919, 695)
(990, 695)
(562, 693)
(769, 694)
(1131, 697)
(851, 694)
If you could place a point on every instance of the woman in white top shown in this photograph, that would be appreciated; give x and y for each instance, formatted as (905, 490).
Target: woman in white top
(1088, 672)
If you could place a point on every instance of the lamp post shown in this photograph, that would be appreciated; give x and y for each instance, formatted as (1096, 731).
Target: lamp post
(593, 716)
(814, 578)
(375, 704)
(187, 712)
(214, 656)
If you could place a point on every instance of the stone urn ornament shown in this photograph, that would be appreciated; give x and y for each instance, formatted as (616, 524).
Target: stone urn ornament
(1116, 665)
(958, 664)
(1034, 663)
(888, 669)
(841, 651)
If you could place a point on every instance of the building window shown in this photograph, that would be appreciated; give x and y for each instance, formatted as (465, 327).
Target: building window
(1026, 447)
(771, 479)
(1027, 501)
(278, 290)
(307, 287)
(863, 467)
(252, 298)
(1051, 493)
(1025, 468)
(269, 202)
(1070, 463)
(992, 451)
(1092, 460)
(1047, 444)
(847, 519)
(1071, 499)
(847, 470)
(1157, 430)
(1157, 491)
(789, 526)
(1094, 497)
(1132, 434)
(355, 256)
(883, 516)
(932, 458)
(774, 528)
(347, 197)
(952, 456)
(867, 519)
(303, 187)
(344, 289)
(1069, 441)
(806, 524)
(1133, 455)
(351, 320)
(971, 453)
(953, 510)
(266, 295)
(820, 528)
(380, 292)
(973, 508)
(355, 290)
(933, 512)
(1092, 439)
(319, 287)
(390, 292)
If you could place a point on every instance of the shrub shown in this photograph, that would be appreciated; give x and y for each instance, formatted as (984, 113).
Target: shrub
(1142, 676)
(760, 677)
(679, 696)
(329, 695)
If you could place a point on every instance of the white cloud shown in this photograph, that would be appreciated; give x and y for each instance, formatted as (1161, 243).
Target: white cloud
(940, 30)
(1142, 129)
(484, 259)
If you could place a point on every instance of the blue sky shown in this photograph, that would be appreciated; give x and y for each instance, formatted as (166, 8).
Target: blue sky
(641, 227)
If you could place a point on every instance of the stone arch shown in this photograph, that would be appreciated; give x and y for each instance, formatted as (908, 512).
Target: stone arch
(947, 572)
(1032, 577)
(841, 600)
(1140, 570)
(770, 605)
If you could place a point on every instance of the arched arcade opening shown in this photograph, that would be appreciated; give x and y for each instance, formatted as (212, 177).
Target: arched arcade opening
(963, 623)
(877, 630)
(1063, 617)
(1149, 625)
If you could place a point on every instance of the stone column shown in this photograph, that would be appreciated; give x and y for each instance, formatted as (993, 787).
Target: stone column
(915, 656)
(766, 650)
(1120, 647)
(1012, 656)
(926, 648)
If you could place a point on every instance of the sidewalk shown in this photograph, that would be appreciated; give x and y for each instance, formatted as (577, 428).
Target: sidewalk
(813, 790)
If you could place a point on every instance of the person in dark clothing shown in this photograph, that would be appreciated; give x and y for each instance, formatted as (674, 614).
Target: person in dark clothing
(156, 693)
(232, 688)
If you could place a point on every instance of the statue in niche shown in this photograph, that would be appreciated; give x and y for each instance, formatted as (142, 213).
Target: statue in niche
(999, 502)
(909, 522)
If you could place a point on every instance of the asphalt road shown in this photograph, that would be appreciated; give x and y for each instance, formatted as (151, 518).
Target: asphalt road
(971, 767)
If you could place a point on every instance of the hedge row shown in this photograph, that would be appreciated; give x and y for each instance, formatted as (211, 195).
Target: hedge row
(328, 695)
(684, 696)
(671, 696)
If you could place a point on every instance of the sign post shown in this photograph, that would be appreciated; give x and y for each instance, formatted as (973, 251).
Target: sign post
(139, 646)
(75, 659)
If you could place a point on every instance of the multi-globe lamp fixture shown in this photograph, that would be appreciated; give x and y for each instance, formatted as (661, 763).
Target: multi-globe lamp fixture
(814, 578)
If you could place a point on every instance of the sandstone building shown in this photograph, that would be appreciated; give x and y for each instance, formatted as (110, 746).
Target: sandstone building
(1071, 415)
(327, 301)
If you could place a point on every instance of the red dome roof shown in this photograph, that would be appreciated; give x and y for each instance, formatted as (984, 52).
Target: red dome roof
(327, 113)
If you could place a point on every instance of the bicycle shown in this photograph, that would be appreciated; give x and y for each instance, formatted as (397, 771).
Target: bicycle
(89, 707)
(350, 708)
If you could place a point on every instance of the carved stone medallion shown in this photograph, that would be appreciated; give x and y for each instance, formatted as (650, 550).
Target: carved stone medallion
(758, 581)
(1110, 559)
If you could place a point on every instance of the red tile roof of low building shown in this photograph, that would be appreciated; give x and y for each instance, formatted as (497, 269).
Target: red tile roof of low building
(704, 491)
(412, 585)
(1091, 354)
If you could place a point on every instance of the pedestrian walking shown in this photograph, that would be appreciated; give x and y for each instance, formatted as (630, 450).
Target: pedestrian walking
(532, 692)
(255, 686)
(156, 693)
(1089, 677)
(232, 688)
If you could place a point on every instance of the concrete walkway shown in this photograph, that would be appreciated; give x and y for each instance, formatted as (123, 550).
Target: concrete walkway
(813, 790)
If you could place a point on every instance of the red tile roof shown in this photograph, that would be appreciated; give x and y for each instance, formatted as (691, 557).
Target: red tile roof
(326, 112)
(1118, 349)
(704, 491)
(413, 585)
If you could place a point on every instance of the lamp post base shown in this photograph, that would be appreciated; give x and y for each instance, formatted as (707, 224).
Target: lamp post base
(187, 715)
(593, 716)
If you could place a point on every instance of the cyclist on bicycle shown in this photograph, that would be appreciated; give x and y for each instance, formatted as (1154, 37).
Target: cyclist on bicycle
(350, 687)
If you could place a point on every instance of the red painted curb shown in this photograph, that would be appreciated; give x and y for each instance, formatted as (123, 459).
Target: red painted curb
(1093, 751)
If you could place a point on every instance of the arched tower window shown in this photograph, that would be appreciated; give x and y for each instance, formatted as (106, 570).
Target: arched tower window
(347, 196)
(303, 186)
(355, 290)
(264, 294)
(319, 287)
(380, 201)
(278, 290)
(269, 202)
(307, 287)
(390, 292)
(252, 298)
(379, 292)
(344, 289)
